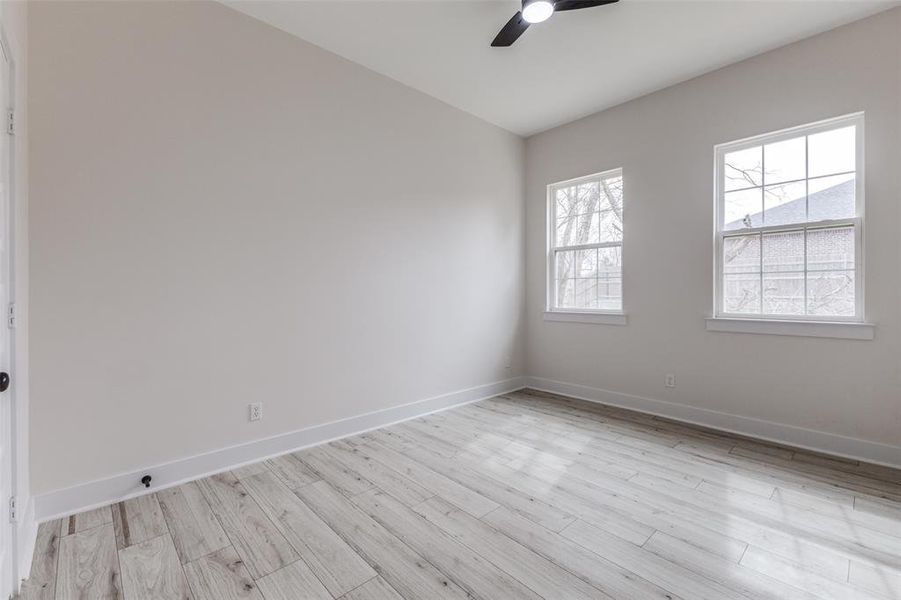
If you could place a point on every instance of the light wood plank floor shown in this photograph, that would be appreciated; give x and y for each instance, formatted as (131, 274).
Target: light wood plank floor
(525, 495)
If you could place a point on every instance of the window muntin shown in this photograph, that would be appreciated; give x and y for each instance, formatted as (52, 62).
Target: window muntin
(585, 244)
(789, 221)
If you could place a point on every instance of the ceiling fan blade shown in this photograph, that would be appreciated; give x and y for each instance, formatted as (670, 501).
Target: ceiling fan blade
(577, 4)
(514, 28)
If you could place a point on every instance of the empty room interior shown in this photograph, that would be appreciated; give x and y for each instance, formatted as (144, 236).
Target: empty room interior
(450, 299)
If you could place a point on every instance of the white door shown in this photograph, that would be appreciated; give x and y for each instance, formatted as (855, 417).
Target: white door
(6, 452)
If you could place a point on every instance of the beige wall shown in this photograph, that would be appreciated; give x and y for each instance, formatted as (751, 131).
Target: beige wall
(664, 143)
(223, 214)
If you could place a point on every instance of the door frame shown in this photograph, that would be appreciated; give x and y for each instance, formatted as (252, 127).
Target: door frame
(13, 434)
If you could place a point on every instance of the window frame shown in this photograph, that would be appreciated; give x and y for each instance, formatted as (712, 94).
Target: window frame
(857, 222)
(552, 250)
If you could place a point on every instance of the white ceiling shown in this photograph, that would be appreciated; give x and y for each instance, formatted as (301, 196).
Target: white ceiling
(572, 65)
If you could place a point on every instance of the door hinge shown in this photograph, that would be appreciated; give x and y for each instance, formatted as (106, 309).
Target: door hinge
(10, 122)
(11, 315)
(13, 515)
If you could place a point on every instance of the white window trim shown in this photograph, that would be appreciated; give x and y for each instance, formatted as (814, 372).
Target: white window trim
(820, 329)
(591, 317)
(777, 324)
(573, 315)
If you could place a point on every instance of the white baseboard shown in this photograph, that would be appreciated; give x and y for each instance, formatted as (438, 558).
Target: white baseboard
(807, 439)
(25, 540)
(126, 485)
(105, 491)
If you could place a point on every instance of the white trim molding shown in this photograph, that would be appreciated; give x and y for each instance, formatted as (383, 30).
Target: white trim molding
(821, 329)
(798, 437)
(596, 318)
(26, 539)
(119, 487)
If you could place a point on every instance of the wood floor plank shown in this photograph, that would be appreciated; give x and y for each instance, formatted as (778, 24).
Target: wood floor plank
(405, 570)
(89, 566)
(781, 537)
(194, 527)
(789, 470)
(648, 565)
(537, 572)
(258, 542)
(460, 562)
(581, 501)
(322, 460)
(86, 520)
(730, 574)
(374, 589)
(292, 471)
(878, 532)
(249, 470)
(608, 577)
(388, 480)
(337, 566)
(795, 574)
(151, 571)
(221, 576)
(137, 520)
(41, 584)
(878, 472)
(605, 455)
(878, 507)
(467, 499)
(501, 492)
(627, 518)
(293, 582)
(876, 579)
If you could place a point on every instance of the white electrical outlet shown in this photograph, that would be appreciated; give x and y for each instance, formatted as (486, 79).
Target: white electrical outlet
(508, 362)
(670, 380)
(256, 411)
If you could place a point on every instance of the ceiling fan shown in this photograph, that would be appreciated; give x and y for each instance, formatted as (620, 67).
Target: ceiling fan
(536, 11)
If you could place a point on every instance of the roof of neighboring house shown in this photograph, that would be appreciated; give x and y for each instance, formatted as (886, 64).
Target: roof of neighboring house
(827, 204)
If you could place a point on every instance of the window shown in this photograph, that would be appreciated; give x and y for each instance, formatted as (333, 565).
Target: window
(585, 257)
(789, 218)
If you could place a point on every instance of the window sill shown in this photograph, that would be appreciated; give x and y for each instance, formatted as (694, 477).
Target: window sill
(595, 318)
(821, 329)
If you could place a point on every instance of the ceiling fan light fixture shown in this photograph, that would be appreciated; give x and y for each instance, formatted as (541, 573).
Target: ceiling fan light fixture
(537, 11)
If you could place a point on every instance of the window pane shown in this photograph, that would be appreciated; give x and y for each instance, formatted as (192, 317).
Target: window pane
(586, 294)
(785, 161)
(785, 204)
(741, 293)
(611, 207)
(610, 260)
(589, 279)
(743, 169)
(577, 199)
(783, 293)
(830, 249)
(610, 278)
(832, 152)
(565, 292)
(783, 252)
(830, 293)
(611, 226)
(832, 198)
(566, 199)
(587, 263)
(578, 229)
(589, 213)
(743, 209)
(741, 254)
